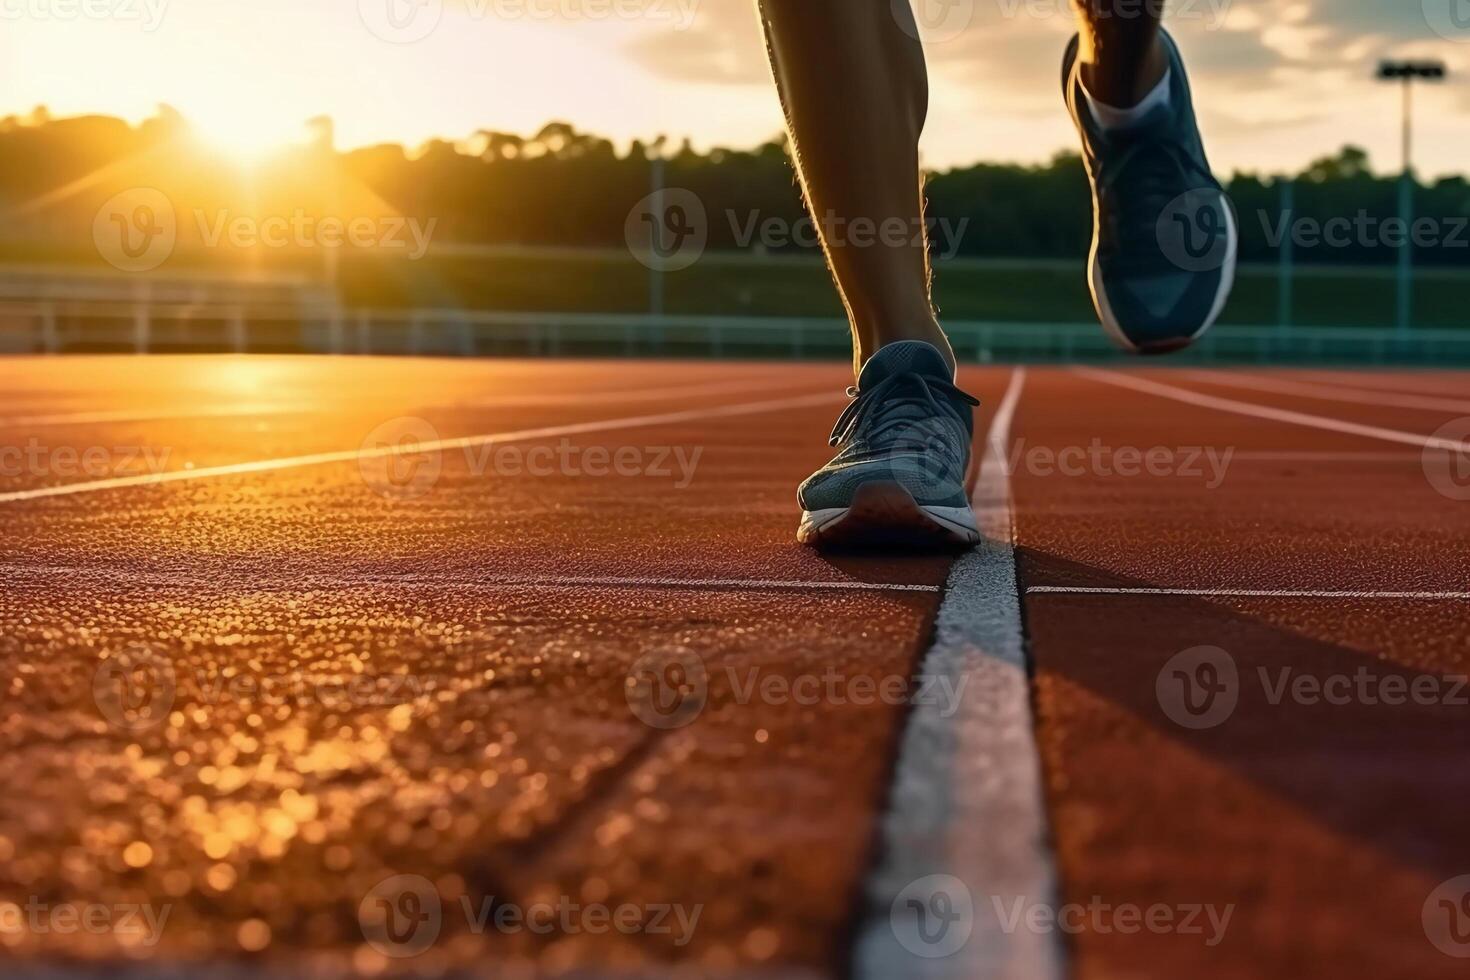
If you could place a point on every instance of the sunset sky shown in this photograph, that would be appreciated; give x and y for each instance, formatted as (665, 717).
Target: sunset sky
(1278, 82)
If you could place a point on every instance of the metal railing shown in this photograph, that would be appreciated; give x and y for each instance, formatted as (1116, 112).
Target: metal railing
(61, 326)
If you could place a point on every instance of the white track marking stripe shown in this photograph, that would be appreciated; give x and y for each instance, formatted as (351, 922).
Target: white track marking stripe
(1247, 593)
(440, 445)
(16, 572)
(967, 799)
(554, 399)
(1331, 393)
(1252, 410)
(147, 415)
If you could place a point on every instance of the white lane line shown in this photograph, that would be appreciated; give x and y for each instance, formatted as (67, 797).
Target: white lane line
(305, 583)
(1330, 393)
(1252, 410)
(1249, 593)
(1408, 383)
(557, 400)
(492, 401)
(439, 445)
(967, 803)
(146, 415)
(1325, 455)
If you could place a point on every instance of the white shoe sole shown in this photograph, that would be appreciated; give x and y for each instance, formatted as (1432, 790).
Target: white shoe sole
(884, 514)
(1105, 309)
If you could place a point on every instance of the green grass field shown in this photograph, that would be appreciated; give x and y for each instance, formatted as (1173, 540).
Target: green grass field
(612, 281)
(1020, 291)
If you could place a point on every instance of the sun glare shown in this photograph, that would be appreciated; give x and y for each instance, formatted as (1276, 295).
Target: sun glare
(247, 139)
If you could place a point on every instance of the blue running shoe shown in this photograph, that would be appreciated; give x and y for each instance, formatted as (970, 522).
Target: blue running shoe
(1164, 234)
(900, 477)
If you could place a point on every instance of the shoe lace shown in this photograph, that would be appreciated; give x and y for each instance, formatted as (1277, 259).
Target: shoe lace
(901, 389)
(1154, 168)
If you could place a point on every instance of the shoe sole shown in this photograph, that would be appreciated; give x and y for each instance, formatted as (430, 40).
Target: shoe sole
(1100, 304)
(884, 514)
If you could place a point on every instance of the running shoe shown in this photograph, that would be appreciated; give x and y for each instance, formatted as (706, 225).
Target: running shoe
(1164, 234)
(899, 478)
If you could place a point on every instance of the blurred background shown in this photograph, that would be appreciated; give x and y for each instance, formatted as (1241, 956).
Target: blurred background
(574, 176)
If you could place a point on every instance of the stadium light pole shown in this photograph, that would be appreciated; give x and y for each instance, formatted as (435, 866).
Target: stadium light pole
(1404, 72)
(1286, 255)
(656, 192)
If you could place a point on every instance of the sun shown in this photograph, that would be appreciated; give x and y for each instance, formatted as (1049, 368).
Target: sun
(247, 137)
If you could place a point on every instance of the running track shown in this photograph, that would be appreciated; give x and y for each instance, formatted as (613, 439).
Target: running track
(344, 624)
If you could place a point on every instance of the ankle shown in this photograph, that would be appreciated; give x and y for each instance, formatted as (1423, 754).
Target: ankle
(1120, 75)
(926, 330)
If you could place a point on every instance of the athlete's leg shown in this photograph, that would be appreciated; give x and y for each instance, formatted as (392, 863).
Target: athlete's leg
(1121, 57)
(853, 84)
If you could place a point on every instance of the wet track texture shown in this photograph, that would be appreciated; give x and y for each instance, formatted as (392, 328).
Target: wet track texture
(502, 668)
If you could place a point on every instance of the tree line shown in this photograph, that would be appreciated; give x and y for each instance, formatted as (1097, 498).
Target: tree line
(562, 187)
